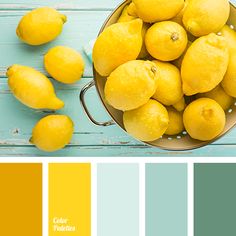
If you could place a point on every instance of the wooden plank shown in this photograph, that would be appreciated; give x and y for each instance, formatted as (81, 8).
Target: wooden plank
(82, 26)
(120, 151)
(60, 4)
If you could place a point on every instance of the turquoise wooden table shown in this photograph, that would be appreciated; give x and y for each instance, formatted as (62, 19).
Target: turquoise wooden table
(85, 18)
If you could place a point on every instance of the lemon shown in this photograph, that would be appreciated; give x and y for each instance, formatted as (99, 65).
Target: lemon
(157, 10)
(131, 85)
(169, 85)
(40, 26)
(125, 17)
(180, 105)
(229, 81)
(204, 119)
(166, 41)
(148, 122)
(202, 17)
(220, 96)
(32, 88)
(176, 125)
(64, 64)
(52, 133)
(132, 11)
(117, 44)
(178, 62)
(204, 64)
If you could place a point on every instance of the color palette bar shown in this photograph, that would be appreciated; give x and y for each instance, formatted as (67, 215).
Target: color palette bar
(166, 200)
(21, 199)
(118, 200)
(69, 199)
(215, 199)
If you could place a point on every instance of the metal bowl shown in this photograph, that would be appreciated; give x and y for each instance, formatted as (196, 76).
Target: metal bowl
(179, 142)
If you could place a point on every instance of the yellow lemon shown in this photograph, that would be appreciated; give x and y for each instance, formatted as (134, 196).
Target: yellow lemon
(169, 85)
(131, 85)
(204, 119)
(52, 133)
(180, 105)
(32, 88)
(166, 41)
(40, 26)
(157, 10)
(148, 122)
(176, 125)
(178, 62)
(229, 81)
(204, 64)
(132, 11)
(220, 96)
(125, 16)
(202, 17)
(64, 64)
(117, 44)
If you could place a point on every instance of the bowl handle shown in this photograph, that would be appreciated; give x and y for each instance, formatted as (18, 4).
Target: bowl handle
(82, 100)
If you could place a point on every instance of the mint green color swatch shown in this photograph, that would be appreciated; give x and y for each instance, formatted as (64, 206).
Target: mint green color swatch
(215, 199)
(118, 200)
(166, 200)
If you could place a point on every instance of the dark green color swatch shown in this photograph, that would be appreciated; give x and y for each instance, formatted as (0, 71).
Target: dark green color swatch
(215, 199)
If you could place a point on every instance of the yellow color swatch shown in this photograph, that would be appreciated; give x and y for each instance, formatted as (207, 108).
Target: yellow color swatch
(69, 199)
(20, 199)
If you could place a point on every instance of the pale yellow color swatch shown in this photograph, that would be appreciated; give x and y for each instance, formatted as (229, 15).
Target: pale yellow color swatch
(20, 199)
(69, 199)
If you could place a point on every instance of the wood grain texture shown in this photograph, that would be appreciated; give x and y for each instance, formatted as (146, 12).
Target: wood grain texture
(84, 21)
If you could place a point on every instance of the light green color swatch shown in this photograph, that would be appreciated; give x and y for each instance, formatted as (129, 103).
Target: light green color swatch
(118, 199)
(166, 200)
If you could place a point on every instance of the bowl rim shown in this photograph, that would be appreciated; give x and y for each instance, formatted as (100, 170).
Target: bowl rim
(201, 144)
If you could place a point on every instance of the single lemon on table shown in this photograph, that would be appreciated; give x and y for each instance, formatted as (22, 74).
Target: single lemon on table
(52, 133)
(32, 88)
(204, 64)
(125, 16)
(204, 119)
(157, 10)
(229, 81)
(169, 85)
(202, 17)
(117, 44)
(176, 125)
(180, 105)
(166, 41)
(64, 64)
(148, 122)
(131, 85)
(220, 96)
(40, 26)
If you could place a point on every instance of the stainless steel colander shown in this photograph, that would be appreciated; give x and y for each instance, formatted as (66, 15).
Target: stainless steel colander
(179, 142)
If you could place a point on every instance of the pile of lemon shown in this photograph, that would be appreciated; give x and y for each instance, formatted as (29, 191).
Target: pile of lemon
(170, 66)
(34, 89)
